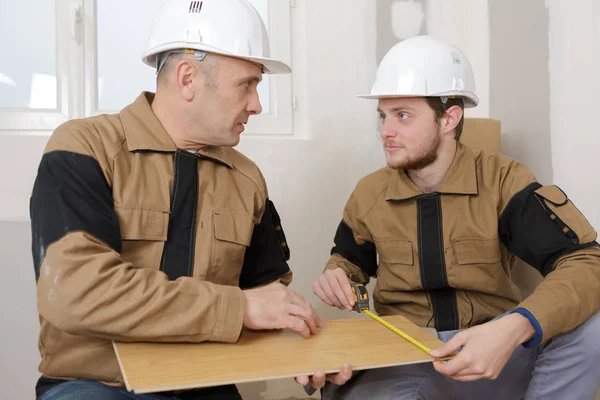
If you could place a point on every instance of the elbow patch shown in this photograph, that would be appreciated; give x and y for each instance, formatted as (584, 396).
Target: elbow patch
(540, 224)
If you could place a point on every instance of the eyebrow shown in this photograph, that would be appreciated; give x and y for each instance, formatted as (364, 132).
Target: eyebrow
(251, 78)
(403, 108)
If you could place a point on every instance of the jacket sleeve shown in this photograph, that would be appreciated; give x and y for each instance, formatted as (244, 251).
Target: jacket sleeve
(354, 250)
(540, 225)
(84, 287)
(266, 258)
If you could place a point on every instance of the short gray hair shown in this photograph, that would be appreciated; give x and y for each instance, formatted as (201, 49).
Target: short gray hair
(166, 62)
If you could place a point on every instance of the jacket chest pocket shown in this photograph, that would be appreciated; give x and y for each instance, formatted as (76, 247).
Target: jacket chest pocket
(232, 235)
(394, 251)
(144, 232)
(478, 264)
(395, 270)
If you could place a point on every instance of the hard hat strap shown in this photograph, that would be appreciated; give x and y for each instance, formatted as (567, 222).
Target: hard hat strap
(162, 58)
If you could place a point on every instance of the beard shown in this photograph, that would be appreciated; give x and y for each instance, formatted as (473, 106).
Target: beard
(425, 155)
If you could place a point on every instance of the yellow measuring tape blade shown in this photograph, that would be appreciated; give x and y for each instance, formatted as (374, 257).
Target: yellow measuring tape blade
(397, 331)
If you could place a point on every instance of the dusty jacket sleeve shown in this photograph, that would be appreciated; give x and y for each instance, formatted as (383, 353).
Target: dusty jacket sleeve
(354, 250)
(540, 225)
(84, 286)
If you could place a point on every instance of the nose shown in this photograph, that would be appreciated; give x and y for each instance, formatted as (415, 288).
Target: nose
(387, 130)
(254, 107)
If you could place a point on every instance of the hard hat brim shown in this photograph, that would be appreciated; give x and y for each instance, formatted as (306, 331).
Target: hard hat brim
(470, 99)
(271, 66)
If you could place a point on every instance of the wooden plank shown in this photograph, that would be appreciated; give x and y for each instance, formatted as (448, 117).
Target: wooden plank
(258, 356)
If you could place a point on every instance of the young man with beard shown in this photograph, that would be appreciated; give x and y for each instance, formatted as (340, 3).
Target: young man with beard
(440, 228)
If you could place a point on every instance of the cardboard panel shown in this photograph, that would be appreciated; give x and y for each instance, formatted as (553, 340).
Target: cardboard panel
(482, 134)
(258, 356)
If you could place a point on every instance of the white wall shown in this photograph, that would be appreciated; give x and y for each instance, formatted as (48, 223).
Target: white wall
(520, 83)
(465, 23)
(574, 89)
(574, 43)
(520, 93)
(18, 338)
(18, 342)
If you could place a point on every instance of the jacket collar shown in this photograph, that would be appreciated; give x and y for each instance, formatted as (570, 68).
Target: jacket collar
(144, 132)
(461, 178)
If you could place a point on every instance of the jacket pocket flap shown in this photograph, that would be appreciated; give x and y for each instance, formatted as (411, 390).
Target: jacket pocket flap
(566, 215)
(477, 250)
(142, 223)
(394, 251)
(553, 194)
(235, 228)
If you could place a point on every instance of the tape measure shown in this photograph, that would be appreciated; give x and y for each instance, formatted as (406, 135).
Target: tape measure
(361, 305)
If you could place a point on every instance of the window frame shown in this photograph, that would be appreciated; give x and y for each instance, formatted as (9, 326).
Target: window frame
(77, 72)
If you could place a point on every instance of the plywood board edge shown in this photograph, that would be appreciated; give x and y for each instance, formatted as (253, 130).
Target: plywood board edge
(127, 385)
(165, 388)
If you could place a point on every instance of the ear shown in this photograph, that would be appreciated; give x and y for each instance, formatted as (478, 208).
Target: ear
(185, 76)
(451, 119)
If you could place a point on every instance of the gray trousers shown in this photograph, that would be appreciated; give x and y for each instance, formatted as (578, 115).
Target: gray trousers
(565, 368)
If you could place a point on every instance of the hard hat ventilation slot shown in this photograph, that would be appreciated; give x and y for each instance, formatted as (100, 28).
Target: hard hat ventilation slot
(195, 7)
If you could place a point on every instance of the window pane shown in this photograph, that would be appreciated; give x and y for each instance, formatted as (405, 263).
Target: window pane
(28, 51)
(121, 41)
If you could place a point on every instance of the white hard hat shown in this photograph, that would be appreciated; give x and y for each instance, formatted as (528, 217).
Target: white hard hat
(227, 27)
(423, 66)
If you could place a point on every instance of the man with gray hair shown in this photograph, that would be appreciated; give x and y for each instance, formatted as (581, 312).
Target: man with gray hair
(148, 226)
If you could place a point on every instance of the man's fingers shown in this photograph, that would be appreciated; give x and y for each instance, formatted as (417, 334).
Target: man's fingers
(346, 371)
(451, 346)
(312, 323)
(342, 377)
(320, 323)
(297, 299)
(312, 327)
(308, 314)
(468, 378)
(299, 311)
(339, 292)
(315, 317)
(453, 367)
(325, 284)
(318, 379)
(297, 325)
(321, 294)
(474, 372)
(302, 380)
(344, 282)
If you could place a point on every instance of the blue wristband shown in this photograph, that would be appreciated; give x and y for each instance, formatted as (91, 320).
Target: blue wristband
(539, 333)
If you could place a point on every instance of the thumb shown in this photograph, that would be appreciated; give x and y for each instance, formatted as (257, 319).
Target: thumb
(451, 346)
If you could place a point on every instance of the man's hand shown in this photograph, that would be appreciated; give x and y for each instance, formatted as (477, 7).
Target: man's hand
(317, 381)
(333, 288)
(274, 306)
(485, 348)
